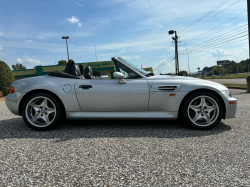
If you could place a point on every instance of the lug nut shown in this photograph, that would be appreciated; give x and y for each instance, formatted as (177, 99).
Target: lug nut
(46, 113)
(41, 114)
(201, 114)
(206, 111)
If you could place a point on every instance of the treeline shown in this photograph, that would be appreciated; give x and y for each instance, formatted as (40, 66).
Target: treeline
(230, 68)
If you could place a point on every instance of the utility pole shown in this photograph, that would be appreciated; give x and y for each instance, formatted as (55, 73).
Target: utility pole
(248, 17)
(175, 38)
(66, 37)
(188, 59)
(176, 53)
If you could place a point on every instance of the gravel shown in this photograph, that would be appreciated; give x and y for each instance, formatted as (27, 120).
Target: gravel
(126, 153)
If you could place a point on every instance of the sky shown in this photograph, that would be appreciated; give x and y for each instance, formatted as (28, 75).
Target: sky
(31, 31)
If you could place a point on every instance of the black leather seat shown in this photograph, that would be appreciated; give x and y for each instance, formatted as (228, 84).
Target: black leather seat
(88, 73)
(68, 66)
(81, 68)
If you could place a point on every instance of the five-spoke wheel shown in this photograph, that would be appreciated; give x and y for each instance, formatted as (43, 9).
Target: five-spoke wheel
(203, 110)
(41, 111)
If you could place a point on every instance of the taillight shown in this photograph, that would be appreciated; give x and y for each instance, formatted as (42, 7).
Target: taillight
(12, 89)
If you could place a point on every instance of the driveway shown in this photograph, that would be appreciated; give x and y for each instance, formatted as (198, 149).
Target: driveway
(126, 153)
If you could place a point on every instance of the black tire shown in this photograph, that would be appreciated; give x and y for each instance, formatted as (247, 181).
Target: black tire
(52, 101)
(211, 99)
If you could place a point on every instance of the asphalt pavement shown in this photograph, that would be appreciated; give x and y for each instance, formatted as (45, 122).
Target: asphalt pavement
(126, 153)
(229, 81)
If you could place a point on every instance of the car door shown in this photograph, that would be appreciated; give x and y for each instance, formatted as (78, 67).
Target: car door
(108, 95)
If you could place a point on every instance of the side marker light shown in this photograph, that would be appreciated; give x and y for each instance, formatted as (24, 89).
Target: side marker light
(172, 94)
(233, 102)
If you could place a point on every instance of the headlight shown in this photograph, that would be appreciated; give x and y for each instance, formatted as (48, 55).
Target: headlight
(228, 93)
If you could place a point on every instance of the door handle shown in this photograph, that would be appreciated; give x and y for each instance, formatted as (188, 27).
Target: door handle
(85, 86)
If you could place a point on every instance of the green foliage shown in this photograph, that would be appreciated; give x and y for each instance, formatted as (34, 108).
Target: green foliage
(217, 70)
(243, 66)
(6, 78)
(18, 66)
(183, 73)
(62, 62)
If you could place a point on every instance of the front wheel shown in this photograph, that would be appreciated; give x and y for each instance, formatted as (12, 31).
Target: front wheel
(41, 111)
(203, 110)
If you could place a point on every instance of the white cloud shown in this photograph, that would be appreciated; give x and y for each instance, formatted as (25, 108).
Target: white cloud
(130, 57)
(19, 60)
(79, 24)
(29, 41)
(78, 4)
(73, 19)
(163, 61)
(1, 34)
(0, 47)
(33, 61)
(245, 48)
(220, 53)
(126, 57)
(29, 61)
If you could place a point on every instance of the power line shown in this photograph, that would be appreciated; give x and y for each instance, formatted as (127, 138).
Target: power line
(217, 26)
(158, 52)
(212, 47)
(211, 11)
(216, 44)
(211, 41)
(211, 17)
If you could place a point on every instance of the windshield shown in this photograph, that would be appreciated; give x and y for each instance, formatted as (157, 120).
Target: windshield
(135, 67)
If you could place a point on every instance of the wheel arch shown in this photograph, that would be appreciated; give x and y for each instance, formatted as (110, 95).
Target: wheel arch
(38, 91)
(198, 90)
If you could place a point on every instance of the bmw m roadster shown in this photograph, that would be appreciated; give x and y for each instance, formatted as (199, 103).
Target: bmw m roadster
(134, 94)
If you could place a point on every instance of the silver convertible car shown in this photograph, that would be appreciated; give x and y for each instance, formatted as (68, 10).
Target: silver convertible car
(134, 94)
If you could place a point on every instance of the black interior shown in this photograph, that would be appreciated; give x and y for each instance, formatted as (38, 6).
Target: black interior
(81, 68)
(57, 73)
(71, 71)
(88, 73)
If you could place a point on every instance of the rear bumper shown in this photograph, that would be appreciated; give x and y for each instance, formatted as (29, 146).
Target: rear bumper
(12, 102)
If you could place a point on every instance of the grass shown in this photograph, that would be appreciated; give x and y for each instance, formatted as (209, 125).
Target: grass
(230, 76)
(236, 85)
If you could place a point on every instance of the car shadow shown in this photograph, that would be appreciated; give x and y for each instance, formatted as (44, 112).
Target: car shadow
(16, 128)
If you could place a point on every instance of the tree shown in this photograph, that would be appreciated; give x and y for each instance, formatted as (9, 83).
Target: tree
(6, 78)
(18, 66)
(183, 73)
(62, 62)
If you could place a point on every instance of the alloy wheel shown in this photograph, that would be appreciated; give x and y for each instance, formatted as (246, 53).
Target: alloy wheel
(203, 111)
(40, 111)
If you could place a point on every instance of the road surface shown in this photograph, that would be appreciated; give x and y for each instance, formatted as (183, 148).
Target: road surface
(229, 81)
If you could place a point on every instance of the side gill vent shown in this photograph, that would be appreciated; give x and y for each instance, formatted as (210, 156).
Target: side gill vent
(169, 88)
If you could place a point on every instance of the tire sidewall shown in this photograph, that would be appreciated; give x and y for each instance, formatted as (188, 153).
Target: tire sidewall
(201, 93)
(58, 111)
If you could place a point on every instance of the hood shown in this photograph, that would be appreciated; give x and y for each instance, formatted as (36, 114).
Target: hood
(188, 83)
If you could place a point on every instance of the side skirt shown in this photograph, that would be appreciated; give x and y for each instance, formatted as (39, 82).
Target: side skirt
(122, 115)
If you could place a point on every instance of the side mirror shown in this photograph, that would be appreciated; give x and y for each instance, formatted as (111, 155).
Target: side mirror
(120, 76)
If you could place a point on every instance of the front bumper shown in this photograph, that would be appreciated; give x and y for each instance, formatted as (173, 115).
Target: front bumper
(12, 102)
(230, 105)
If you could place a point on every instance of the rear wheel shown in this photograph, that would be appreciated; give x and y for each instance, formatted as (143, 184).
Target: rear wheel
(203, 110)
(41, 111)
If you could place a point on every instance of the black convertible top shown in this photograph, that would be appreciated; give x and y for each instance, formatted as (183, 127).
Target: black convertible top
(58, 73)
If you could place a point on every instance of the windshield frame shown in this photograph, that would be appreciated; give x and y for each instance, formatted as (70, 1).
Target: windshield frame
(131, 65)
